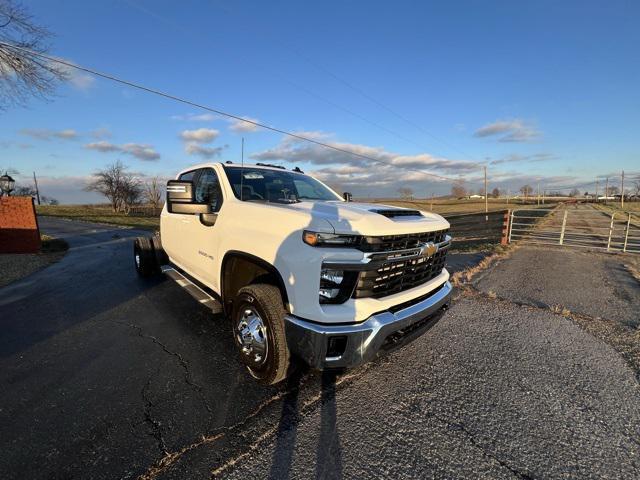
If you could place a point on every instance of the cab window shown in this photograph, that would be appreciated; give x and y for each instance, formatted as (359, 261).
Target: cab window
(188, 176)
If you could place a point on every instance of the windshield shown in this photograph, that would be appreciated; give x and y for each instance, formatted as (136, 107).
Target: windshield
(263, 185)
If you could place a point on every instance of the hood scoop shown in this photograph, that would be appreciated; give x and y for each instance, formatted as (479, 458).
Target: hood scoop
(392, 213)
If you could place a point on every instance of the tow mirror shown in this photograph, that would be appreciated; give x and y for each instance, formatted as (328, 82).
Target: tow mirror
(347, 196)
(180, 198)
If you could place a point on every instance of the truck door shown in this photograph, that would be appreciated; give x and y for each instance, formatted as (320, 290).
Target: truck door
(173, 226)
(200, 234)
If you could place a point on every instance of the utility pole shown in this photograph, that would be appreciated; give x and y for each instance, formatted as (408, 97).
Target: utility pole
(538, 193)
(606, 190)
(486, 199)
(596, 191)
(431, 202)
(508, 196)
(544, 192)
(622, 191)
(35, 181)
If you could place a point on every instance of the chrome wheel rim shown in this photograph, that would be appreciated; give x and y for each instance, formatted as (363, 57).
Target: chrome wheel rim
(251, 335)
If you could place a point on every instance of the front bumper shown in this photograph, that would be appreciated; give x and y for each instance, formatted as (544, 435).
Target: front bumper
(364, 341)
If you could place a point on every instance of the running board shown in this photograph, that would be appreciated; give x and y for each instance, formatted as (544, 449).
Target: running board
(194, 290)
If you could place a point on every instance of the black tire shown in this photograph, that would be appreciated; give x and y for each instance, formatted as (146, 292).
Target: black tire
(161, 256)
(144, 257)
(266, 301)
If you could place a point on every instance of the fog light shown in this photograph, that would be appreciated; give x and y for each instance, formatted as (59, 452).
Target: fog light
(333, 276)
(328, 293)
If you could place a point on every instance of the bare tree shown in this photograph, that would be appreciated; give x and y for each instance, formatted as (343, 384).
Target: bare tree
(121, 187)
(574, 193)
(526, 191)
(636, 188)
(49, 200)
(24, 74)
(458, 189)
(24, 191)
(613, 190)
(406, 193)
(153, 193)
(495, 193)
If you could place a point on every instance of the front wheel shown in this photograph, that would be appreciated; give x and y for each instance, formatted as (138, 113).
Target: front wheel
(259, 332)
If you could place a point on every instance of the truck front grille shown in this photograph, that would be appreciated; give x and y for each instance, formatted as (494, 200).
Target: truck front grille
(400, 242)
(396, 276)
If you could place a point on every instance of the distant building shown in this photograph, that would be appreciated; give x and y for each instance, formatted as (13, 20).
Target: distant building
(475, 196)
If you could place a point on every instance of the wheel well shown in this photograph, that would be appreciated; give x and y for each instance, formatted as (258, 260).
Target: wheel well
(242, 269)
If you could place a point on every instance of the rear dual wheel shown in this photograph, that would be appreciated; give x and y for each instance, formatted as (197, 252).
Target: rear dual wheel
(144, 257)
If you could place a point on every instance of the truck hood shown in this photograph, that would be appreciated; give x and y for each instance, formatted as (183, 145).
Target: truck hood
(370, 218)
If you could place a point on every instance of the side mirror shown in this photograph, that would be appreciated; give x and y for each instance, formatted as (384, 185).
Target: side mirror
(180, 199)
(347, 196)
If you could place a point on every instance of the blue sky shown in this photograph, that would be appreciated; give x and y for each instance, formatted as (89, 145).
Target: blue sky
(539, 91)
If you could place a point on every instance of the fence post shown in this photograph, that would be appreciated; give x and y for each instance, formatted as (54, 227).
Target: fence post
(564, 224)
(613, 215)
(505, 228)
(626, 233)
(513, 212)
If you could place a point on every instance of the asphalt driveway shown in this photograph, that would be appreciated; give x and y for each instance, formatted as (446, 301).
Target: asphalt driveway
(107, 376)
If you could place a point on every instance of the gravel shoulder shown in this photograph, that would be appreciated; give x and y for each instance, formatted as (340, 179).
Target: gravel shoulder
(598, 285)
(15, 266)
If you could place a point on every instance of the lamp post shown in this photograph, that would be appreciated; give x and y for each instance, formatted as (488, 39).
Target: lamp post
(6, 184)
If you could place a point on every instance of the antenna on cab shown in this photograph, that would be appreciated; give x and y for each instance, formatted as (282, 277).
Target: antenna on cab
(241, 169)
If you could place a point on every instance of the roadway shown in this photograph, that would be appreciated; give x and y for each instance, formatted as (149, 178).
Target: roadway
(105, 375)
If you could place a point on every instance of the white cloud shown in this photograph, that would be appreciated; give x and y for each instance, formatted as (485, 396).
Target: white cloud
(141, 151)
(516, 158)
(515, 130)
(45, 134)
(243, 126)
(103, 146)
(101, 132)
(77, 78)
(67, 134)
(201, 135)
(195, 117)
(202, 151)
(296, 150)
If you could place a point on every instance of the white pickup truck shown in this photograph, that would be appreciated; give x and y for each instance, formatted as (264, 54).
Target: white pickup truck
(299, 271)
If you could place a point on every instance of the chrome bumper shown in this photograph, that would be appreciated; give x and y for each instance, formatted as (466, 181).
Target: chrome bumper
(364, 341)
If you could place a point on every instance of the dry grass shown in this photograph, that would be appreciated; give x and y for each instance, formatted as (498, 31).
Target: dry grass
(98, 214)
(463, 277)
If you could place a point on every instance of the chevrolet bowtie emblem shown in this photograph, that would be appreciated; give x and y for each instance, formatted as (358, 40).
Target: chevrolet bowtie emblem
(429, 249)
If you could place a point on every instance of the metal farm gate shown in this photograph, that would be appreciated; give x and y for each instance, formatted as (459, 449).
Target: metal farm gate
(576, 225)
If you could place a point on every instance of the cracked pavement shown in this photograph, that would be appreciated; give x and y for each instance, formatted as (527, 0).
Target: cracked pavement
(107, 376)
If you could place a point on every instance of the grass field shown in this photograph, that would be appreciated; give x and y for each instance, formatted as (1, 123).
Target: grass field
(98, 214)
(629, 207)
(104, 214)
(454, 206)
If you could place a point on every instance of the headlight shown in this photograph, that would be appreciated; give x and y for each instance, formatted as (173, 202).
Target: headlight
(336, 286)
(316, 239)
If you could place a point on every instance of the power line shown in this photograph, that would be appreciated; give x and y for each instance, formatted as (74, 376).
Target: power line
(365, 95)
(309, 91)
(213, 110)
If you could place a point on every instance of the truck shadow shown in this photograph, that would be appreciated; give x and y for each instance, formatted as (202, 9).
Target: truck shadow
(328, 450)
